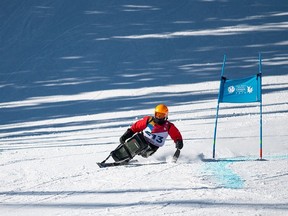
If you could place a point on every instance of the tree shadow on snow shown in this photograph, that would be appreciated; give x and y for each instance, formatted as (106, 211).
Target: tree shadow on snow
(49, 49)
(181, 203)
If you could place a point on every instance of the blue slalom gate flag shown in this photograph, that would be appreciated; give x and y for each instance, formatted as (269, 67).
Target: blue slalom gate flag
(244, 90)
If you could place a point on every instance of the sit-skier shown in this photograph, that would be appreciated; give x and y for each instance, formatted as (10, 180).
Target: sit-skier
(146, 135)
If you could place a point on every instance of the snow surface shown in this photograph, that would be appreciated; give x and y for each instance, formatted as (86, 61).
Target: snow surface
(71, 86)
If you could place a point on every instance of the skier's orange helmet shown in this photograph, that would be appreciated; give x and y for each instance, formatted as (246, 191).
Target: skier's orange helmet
(161, 111)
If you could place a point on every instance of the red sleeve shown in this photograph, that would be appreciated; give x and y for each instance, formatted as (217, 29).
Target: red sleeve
(140, 125)
(174, 133)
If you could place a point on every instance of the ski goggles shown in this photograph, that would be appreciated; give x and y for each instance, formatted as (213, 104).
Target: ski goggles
(159, 115)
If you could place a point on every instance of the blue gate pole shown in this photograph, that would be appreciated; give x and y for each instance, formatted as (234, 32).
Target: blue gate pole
(260, 73)
(217, 111)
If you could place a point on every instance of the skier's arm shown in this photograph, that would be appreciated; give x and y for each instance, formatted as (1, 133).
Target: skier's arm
(140, 125)
(129, 133)
(136, 127)
(177, 137)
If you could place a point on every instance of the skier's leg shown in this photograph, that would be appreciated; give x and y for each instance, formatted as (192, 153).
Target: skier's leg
(121, 153)
(151, 149)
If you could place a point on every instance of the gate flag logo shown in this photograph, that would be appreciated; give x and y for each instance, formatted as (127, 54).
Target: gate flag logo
(245, 90)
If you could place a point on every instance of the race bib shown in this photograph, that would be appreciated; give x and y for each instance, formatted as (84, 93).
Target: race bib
(157, 139)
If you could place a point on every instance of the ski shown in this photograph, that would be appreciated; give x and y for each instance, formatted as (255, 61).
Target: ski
(132, 163)
(103, 165)
(119, 163)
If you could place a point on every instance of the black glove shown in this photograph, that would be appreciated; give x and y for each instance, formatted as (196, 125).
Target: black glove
(179, 144)
(129, 133)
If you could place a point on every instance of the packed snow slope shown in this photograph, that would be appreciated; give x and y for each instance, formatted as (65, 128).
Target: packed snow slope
(75, 74)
